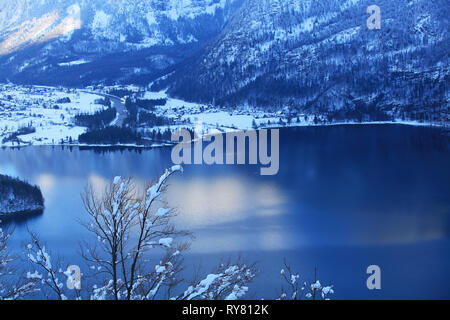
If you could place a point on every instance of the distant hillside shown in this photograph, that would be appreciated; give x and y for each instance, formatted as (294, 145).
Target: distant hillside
(320, 56)
(311, 56)
(17, 196)
(103, 41)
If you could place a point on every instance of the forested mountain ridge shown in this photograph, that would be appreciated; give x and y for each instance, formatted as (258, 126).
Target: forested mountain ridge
(314, 56)
(320, 55)
(17, 196)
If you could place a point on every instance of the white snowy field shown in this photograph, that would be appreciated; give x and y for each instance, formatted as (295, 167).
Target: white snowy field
(189, 114)
(44, 109)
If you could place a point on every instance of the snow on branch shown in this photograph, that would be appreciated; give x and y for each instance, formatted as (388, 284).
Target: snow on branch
(48, 273)
(295, 290)
(230, 282)
(11, 288)
(127, 224)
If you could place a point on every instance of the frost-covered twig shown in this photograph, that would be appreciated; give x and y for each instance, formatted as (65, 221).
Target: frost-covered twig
(12, 286)
(229, 282)
(295, 290)
(120, 210)
(47, 272)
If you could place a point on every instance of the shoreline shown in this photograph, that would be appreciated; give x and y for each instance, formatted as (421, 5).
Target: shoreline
(21, 214)
(403, 123)
(275, 126)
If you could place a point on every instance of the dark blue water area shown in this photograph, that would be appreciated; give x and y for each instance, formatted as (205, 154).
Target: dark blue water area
(345, 198)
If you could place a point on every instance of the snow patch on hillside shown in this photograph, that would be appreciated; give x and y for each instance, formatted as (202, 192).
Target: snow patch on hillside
(100, 24)
(190, 9)
(73, 63)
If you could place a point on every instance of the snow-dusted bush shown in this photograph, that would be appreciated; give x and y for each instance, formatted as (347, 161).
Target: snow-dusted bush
(229, 282)
(296, 289)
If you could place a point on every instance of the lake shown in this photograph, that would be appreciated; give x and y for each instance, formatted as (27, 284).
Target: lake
(346, 197)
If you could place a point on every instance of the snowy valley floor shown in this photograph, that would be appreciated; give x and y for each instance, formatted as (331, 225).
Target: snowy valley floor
(50, 112)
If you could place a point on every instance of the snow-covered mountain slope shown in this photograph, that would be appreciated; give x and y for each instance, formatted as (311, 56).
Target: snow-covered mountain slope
(118, 39)
(309, 55)
(321, 54)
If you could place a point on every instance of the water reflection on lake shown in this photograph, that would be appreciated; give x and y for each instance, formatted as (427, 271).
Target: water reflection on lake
(345, 198)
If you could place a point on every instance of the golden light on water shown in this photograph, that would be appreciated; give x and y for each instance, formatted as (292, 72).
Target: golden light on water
(207, 202)
(98, 183)
(46, 182)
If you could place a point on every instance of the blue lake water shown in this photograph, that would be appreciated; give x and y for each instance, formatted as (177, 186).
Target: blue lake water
(346, 197)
